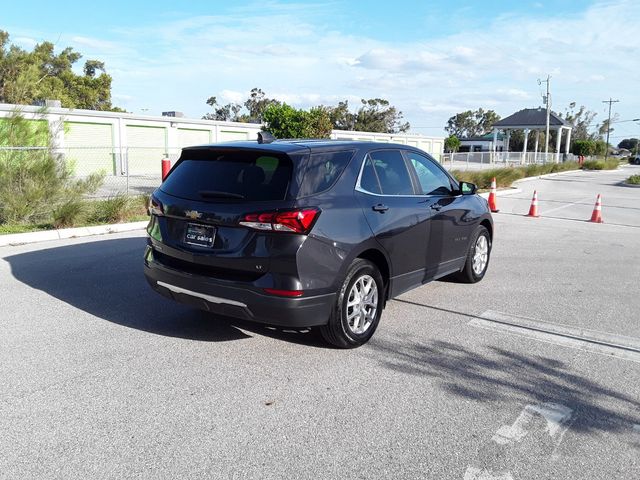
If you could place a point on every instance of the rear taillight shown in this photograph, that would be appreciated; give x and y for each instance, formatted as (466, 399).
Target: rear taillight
(296, 221)
(155, 206)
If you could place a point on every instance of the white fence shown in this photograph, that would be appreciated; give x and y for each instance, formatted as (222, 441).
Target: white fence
(482, 160)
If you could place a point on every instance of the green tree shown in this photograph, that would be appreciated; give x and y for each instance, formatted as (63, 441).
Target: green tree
(451, 143)
(228, 113)
(584, 147)
(256, 104)
(376, 115)
(605, 126)
(285, 121)
(580, 122)
(341, 117)
(35, 182)
(471, 123)
(600, 147)
(629, 144)
(27, 77)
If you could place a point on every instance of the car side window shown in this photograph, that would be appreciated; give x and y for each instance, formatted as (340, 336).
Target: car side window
(323, 170)
(433, 180)
(391, 171)
(369, 179)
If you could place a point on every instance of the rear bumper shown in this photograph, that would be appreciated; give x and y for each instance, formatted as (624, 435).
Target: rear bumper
(236, 300)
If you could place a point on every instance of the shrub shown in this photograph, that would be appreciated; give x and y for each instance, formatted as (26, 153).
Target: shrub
(70, 213)
(506, 176)
(35, 181)
(634, 180)
(584, 147)
(600, 165)
(114, 209)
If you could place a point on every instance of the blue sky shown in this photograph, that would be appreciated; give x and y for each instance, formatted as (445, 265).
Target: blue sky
(431, 59)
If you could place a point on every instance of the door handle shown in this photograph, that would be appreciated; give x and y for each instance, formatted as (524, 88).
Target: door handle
(380, 208)
(436, 207)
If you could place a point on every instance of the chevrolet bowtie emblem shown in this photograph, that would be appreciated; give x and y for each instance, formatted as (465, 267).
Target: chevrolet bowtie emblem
(192, 214)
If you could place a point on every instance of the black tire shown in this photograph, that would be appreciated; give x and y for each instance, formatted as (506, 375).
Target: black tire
(468, 274)
(338, 332)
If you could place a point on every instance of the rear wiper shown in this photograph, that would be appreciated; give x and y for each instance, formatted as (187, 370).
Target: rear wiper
(217, 194)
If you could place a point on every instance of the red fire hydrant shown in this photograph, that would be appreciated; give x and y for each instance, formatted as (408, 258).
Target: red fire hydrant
(166, 166)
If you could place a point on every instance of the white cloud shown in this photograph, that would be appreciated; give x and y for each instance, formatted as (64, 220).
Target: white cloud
(94, 43)
(231, 96)
(290, 52)
(25, 42)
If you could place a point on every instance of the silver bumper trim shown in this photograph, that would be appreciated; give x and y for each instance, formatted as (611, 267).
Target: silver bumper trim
(204, 296)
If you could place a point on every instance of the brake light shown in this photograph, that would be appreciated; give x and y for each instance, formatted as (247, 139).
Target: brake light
(296, 221)
(155, 206)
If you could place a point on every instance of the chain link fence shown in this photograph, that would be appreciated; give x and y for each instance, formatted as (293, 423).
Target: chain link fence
(138, 170)
(126, 170)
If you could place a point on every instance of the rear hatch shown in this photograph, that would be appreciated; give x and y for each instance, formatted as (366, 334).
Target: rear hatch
(214, 213)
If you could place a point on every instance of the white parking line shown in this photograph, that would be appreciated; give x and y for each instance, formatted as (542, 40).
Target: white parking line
(593, 341)
(474, 473)
(556, 416)
(582, 200)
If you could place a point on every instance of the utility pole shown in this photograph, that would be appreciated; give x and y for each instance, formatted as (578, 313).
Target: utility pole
(547, 100)
(606, 151)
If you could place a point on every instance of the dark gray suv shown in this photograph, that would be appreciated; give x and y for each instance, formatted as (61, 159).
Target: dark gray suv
(304, 233)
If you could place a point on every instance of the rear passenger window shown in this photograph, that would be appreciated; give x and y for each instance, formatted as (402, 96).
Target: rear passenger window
(323, 169)
(390, 171)
(369, 179)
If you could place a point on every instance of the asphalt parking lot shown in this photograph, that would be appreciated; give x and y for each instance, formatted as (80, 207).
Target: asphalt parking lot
(532, 373)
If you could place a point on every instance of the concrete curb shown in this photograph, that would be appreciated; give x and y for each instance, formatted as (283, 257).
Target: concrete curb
(48, 235)
(503, 193)
(555, 174)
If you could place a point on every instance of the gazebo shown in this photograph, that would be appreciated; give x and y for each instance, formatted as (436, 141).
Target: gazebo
(533, 119)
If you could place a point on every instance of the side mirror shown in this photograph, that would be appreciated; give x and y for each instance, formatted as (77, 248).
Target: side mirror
(467, 188)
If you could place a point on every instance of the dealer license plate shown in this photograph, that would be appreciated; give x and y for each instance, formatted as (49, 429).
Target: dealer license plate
(200, 235)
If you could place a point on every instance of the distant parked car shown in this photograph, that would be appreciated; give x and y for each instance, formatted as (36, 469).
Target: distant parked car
(308, 233)
(634, 160)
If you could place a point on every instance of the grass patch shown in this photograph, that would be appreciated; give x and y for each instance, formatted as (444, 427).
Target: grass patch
(8, 228)
(84, 213)
(600, 165)
(506, 176)
(634, 180)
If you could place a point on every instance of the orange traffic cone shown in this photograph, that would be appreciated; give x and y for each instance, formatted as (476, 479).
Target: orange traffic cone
(596, 216)
(492, 197)
(533, 210)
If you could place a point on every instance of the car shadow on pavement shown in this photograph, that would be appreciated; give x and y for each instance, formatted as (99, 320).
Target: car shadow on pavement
(496, 375)
(105, 279)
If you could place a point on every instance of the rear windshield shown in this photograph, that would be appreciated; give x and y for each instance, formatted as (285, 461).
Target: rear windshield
(238, 175)
(323, 170)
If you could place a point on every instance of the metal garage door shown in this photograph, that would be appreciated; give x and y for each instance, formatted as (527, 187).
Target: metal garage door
(189, 136)
(90, 147)
(146, 148)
